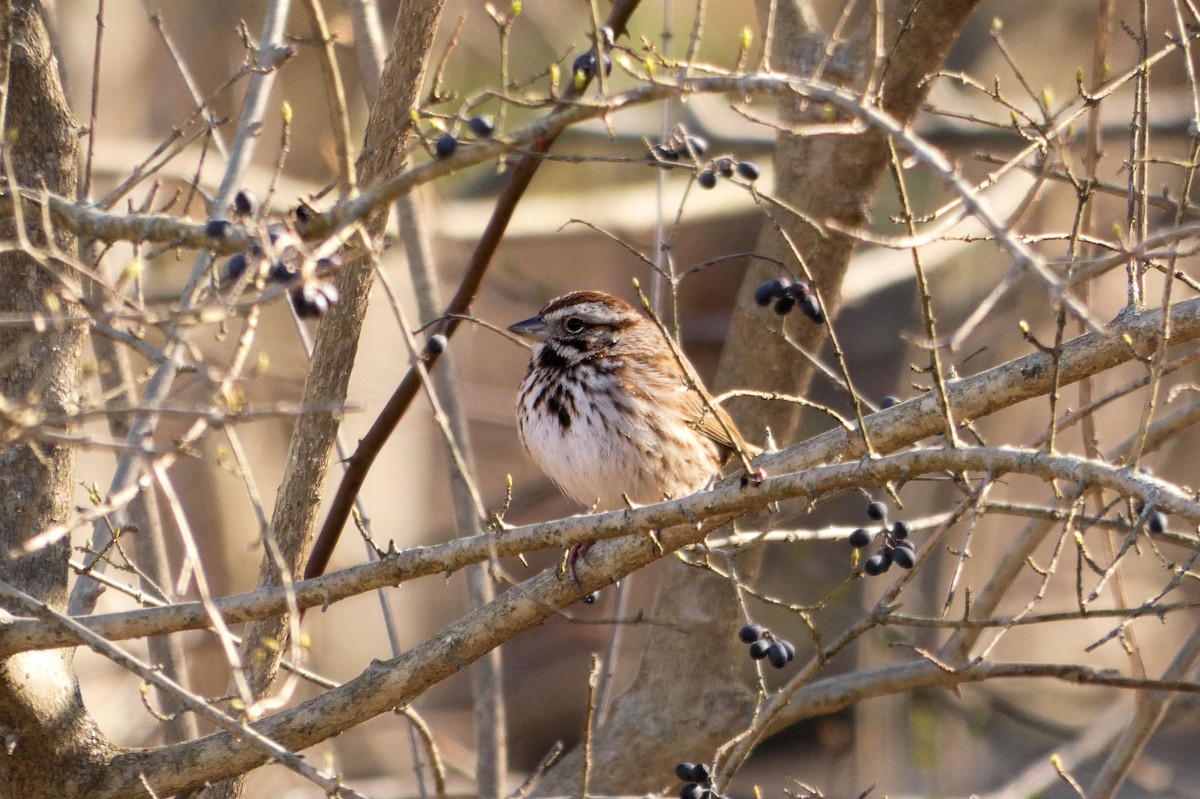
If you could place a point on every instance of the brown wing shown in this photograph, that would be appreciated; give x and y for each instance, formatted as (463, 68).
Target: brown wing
(705, 415)
(712, 421)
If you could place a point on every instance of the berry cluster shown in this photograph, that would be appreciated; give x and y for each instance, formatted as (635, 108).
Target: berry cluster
(765, 644)
(697, 779)
(280, 271)
(682, 145)
(726, 167)
(282, 263)
(482, 126)
(894, 545)
(245, 206)
(678, 146)
(787, 295)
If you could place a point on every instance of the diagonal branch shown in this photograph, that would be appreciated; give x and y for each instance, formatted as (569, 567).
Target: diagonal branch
(384, 685)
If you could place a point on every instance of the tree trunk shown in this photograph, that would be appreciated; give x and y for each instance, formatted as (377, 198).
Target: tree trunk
(51, 742)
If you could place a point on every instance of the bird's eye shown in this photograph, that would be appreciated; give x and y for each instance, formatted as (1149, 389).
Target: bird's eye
(573, 324)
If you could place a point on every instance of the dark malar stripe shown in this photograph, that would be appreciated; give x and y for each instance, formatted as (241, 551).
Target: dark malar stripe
(549, 358)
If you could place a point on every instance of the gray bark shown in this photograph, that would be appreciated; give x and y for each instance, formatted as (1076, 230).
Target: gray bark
(52, 744)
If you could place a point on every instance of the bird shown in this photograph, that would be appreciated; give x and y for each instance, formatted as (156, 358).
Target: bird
(611, 411)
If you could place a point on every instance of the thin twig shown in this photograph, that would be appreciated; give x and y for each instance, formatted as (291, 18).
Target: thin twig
(85, 191)
(331, 785)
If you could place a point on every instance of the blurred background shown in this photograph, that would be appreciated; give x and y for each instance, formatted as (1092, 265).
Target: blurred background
(933, 743)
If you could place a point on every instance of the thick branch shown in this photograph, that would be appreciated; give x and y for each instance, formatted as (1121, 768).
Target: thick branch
(716, 507)
(384, 685)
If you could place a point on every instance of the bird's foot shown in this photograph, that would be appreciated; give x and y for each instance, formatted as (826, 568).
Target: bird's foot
(569, 566)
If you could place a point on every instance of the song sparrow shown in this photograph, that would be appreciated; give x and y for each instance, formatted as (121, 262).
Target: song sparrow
(607, 409)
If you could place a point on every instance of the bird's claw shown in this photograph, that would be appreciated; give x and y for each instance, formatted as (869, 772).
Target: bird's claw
(754, 478)
(569, 567)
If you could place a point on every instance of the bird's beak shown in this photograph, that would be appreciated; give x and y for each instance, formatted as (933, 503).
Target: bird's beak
(531, 328)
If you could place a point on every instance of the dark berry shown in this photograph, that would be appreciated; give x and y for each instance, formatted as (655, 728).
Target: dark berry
(764, 294)
(691, 791)
(662, 152)
(282, 273)
(860, 538)
(309, 305)
(707, 179)
(700, 773)
(1157, 523)
(799, 290)
(877, 564)
(876, 511)
(586, 64)
(482, 125)
(235, 267)
(748, 170)
(777, 655)
(304, 212)
(811, 307)
(784, 305)
(889, 401)
(445, 145)
(750, 633)
(245, 203)
(437, 344)
(904, 556)
(758, 649)
(697, 144)
(901, 530)
(684, 771)
(807, 300)
(725, 167)
(314, 299)
(791, 650)
(217, 228)
(591, 598)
